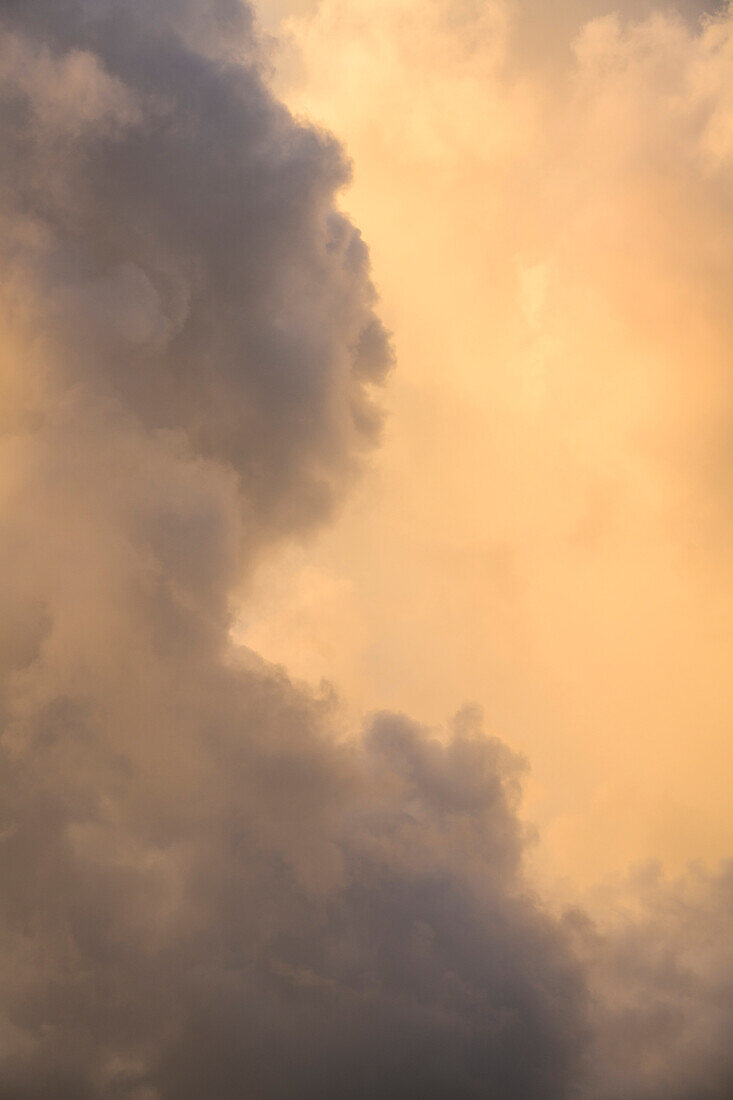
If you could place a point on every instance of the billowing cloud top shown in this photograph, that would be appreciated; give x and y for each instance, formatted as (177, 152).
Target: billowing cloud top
(206, 891)
(172, 231)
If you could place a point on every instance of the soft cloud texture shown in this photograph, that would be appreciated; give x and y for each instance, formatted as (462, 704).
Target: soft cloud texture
(204, 892)
(660, 976)
(207, 889)
(173, 228)
(546, 193)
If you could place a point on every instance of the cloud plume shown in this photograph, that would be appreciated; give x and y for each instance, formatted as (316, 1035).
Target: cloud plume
(207, 889)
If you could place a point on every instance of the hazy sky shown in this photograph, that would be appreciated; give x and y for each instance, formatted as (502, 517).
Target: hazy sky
(365, 512)
(546, 195)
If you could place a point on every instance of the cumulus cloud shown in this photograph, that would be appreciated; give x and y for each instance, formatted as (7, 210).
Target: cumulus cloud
(207, 890)
(173, 232)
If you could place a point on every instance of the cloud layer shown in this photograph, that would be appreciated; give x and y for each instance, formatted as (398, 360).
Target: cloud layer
(207, 890)
(546, 194)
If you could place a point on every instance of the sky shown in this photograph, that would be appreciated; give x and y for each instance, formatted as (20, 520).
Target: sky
(546, 529)
(365, 604)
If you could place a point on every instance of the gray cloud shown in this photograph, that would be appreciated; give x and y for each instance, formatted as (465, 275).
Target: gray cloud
(661, 979)
(207, 891)
(187, 253)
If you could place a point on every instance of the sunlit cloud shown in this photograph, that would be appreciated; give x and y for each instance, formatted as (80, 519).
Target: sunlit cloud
(217, 879)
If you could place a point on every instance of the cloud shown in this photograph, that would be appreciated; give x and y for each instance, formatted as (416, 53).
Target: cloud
(660, 978)
(550, 223)
(208, 889)
(178, 229)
